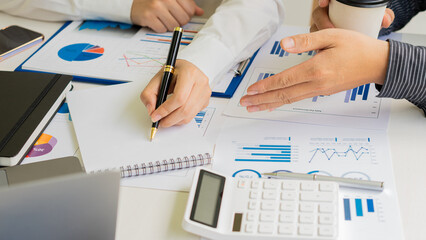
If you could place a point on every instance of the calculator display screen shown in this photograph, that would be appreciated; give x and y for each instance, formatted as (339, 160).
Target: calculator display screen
(208, 197)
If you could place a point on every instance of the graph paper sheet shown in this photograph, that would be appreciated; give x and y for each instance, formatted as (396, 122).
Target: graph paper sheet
(247, 147)
(357, 107)
(112, 51)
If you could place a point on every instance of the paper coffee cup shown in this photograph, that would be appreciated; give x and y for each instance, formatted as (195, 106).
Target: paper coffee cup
(364, 16)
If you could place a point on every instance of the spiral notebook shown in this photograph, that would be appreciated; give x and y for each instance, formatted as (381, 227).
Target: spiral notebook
(112, 128)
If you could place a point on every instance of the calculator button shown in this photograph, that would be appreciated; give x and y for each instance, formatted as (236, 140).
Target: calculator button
(242, 184)
(267, 217)
(269, 195)
(326, 187)
(286, 195)
(325, 219)
(251, 216)
(287, 217)
(306, 229)
(252, 205)
(326, 231)
(254, 195)
(287, 206)
(290, 185)
(306, 207)
(316, 196)
(271, 184)
(326, 208)
(255, 185)
(268, 205)
(306, 218)
(286, 229)
(308, 186)
(249, 228)
(266, 228)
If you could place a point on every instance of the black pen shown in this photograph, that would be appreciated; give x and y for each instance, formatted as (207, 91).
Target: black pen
(169, 69)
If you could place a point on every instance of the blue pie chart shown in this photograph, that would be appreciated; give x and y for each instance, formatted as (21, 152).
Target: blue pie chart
(80, 52)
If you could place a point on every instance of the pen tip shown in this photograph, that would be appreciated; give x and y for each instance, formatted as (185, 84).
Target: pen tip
(153, 132)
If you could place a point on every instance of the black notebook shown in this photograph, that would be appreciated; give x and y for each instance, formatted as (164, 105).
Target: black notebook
(28, 101)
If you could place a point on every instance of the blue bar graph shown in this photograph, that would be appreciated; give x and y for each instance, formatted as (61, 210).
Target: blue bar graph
(361, 90)
(358, 206)
(199, 117)
(277, 50)
(370, 205)
(264, 153)
(365, 95)
(358, 210)
(347, 208)
(264, 75)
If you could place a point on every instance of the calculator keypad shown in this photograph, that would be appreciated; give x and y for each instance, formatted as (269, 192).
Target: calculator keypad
(289, 208)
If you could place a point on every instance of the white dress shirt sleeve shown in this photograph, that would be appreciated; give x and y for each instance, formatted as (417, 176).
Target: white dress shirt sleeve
(233, 33)
(60, 10)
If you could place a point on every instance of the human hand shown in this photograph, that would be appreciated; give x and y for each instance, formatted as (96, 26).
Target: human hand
(322, 21)
(347, 60)
(191, 94)
(163, 15)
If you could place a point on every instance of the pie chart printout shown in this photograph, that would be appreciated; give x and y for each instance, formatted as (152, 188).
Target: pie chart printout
(80, 52)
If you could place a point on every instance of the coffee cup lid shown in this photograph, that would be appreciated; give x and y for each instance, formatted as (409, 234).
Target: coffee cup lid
(365, 3)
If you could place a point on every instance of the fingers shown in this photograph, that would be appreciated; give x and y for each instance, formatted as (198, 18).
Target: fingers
(309, 41)
(168, 20)
(181, 91)
(179, 13)
(156, 25)
(321, 19)
(323, 3)
(197, 101)
(279, 97)
(388, 18)
(149, 94)
(283, 79)
(191, 7)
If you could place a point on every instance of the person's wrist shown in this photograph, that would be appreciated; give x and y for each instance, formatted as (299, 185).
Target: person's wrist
(382, 60)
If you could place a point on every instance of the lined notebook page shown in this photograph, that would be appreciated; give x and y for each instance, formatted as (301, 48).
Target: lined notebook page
(113, 127)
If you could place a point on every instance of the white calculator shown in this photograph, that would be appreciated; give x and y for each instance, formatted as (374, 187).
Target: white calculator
(223, 207)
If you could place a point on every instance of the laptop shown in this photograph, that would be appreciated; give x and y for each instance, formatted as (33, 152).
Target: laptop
(77, 206)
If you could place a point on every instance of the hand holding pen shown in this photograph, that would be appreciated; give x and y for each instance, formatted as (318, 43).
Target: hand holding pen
(191, 94)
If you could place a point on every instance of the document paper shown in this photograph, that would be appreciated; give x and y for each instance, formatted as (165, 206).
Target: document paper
(247, 148)
(358, 107)
(113, 129)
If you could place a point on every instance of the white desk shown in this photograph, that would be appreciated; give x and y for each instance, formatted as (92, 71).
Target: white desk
(155, 214)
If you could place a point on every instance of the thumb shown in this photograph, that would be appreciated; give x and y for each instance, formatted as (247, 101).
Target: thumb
(198, 11)
(307, 42)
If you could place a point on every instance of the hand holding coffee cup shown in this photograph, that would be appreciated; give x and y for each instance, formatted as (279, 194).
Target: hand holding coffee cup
(353, 20)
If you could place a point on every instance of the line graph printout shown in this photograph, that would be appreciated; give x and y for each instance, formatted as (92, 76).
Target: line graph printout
(246, 148)
(358, 107)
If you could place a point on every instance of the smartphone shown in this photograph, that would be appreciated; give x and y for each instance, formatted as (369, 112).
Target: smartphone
(14, 39)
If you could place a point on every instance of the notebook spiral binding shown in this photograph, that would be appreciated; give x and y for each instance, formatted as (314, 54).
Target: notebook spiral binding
(165, 165)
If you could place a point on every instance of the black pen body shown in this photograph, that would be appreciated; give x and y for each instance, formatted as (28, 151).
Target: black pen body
(168, 70)
(162, 94)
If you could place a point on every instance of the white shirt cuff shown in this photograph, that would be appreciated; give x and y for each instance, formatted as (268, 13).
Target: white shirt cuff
(207, 51)
(112, 10)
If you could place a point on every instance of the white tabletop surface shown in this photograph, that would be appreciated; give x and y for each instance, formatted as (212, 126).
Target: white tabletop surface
(157, 214)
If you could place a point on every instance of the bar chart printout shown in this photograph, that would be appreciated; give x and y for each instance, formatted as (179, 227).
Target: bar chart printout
(361, 209)
(263, 153)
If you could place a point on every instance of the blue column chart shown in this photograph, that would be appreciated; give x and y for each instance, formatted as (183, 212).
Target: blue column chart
(263, 76)
(278, 51)
(362, 91)
(362, 209)
(267, 152)
(204, 118)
